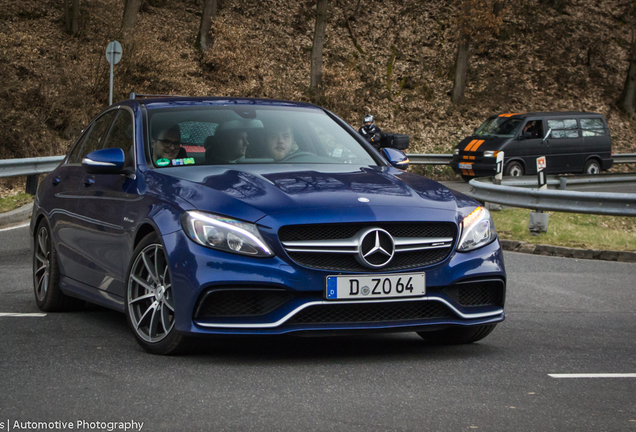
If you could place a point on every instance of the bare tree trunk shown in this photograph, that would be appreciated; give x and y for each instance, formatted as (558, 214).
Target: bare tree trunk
(67, 17)
(461, 68)
(497, 7)
(204, 40)
(76, 15)
(628, 96)
(130, 16)
(316, 51)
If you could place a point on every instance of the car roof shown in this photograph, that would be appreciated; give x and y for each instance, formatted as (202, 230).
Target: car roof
(548, 114)
(180, 101)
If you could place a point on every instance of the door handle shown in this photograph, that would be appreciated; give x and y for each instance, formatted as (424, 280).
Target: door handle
(55, 181)
(89, 182)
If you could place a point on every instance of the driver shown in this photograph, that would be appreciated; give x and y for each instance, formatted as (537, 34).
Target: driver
(279, 140)
(167, 145)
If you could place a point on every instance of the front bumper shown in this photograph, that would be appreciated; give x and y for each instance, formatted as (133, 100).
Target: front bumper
(474, 168)
(221, 293)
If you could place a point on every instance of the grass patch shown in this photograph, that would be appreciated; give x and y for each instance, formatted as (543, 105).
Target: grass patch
(14, 201)
(570, 230)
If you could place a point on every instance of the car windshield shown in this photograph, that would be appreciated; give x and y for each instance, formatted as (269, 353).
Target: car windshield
(499, 127)
(218, 135)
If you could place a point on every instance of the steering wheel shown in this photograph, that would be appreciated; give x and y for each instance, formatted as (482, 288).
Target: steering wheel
(296, 155)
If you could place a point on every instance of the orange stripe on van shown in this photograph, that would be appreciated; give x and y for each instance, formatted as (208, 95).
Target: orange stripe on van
(470, 144)
(509, 115)
(477, 144)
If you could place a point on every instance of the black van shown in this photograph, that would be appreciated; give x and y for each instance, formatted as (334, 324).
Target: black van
(572, 142)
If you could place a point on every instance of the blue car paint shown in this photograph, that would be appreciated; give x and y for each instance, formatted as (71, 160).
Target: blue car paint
(271, 196)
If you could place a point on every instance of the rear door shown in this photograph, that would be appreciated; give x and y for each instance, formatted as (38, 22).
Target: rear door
(102, 200)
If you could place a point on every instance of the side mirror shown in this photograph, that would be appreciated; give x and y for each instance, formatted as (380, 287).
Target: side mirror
(545, 138)
(104, 161)
(396, 158)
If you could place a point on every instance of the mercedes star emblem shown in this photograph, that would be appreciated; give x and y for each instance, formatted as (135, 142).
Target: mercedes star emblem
(375, 248)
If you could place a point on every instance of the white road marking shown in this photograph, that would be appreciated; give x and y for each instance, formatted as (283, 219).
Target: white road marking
(16, 227)
(10, 314)
(595, 375)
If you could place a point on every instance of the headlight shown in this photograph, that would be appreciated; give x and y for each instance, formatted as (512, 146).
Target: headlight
(491, 153)
(478, 230)
(222, 233)
(456, 152)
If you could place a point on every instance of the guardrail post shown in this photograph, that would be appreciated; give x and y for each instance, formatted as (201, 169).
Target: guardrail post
(32, 184)
(562, 183)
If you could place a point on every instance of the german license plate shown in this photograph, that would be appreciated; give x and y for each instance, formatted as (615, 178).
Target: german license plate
(465, 166)
(369, 287)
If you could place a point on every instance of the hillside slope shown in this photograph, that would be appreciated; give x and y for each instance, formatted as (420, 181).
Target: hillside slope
(52, 84)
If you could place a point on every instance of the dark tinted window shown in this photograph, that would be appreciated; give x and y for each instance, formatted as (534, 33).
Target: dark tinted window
(97, 134)
(72, 158)
(121, 136)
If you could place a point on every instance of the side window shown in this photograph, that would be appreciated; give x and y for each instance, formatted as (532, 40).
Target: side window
(72, 157)
(97, 134)
(121, 136)
(564, 128)
(534, 128)
(593, 127)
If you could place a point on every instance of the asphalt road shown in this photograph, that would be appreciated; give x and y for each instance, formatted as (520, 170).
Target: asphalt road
(563, 316)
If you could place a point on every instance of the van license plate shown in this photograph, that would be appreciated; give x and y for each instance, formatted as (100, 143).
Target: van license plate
(369, 287)
(465, 166)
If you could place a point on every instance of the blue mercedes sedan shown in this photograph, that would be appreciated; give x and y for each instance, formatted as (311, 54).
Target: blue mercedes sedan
(235, 216)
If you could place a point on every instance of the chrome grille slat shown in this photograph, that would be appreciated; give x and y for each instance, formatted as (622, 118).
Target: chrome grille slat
(306, 244)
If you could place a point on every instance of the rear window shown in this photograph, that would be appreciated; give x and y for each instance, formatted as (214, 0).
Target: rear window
(593, 127)
(499, 127)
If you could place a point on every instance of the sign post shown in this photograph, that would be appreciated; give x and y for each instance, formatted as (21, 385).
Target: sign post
(538, 222)
(113, 55)
(499, 167)
(541, 164)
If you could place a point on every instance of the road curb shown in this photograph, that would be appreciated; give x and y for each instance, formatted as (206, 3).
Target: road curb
(547, 250)
(16, 216)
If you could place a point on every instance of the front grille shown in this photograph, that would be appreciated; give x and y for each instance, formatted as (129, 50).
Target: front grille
(344, 231)
(477, 293)
(241, 302)
(371, 313)
(347, 261)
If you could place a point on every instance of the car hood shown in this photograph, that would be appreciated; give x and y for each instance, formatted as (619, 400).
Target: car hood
(252, 192)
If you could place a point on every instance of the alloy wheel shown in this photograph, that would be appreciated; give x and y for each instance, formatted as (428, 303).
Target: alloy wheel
(42, 268)
(150, 304)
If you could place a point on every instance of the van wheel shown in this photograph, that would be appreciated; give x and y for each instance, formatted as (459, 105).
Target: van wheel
(514, 169)
(592, 167)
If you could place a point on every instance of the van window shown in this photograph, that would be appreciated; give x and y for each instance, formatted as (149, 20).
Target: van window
(564, 128)
(498, 126)
(593, 127)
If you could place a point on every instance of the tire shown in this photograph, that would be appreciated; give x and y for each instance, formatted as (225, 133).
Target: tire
(514, 169)
(592, 167)
(46, 275)
(457, 335)
(150, 308)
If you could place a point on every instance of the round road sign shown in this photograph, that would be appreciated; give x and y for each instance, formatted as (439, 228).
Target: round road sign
(113, 52)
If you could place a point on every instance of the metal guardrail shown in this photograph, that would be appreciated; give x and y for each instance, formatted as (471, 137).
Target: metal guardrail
(429, 159)
(32, 167)
(515, 193)
(445, 159)
(29, 166)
